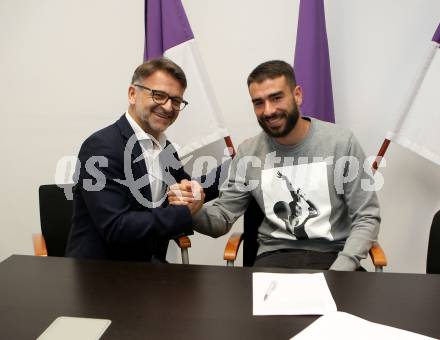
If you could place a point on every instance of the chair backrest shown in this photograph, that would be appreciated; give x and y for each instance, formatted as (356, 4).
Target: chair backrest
(55, 217)
(433, 256)
(252, 220)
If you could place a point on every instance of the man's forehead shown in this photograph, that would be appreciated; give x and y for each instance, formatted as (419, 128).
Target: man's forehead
(268, 86)
(163, 81)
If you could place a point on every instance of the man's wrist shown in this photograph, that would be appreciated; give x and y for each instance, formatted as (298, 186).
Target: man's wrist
(344, 263)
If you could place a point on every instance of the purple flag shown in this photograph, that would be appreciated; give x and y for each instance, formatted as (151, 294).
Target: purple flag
(168, 33)
(166, 26)
(312, 63)
(436, 37)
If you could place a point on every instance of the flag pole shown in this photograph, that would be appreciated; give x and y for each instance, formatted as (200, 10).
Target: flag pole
(230, 146)
(380, 154)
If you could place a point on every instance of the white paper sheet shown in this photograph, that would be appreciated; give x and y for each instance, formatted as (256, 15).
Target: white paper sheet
(344, 326)
(70, 328)
(291, 294)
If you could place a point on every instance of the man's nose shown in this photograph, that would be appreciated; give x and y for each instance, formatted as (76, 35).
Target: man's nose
(168, 107)
(269, 108)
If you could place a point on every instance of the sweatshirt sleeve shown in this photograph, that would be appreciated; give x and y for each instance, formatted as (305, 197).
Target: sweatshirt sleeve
(216, 219)
(363, 209)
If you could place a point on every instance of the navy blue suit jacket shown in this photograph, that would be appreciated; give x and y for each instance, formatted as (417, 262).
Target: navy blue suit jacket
(111, 223)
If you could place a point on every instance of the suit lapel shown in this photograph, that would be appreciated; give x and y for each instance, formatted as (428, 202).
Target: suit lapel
(138, 166)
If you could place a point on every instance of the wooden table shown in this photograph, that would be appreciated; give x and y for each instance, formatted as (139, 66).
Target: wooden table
(154, 301)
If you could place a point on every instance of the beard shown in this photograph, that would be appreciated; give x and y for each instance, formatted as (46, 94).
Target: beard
(290, 117)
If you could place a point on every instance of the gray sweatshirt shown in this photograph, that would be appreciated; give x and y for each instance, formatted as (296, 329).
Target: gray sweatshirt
(317, 195)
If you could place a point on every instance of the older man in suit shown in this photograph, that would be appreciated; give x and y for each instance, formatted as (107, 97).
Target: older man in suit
(120, 207)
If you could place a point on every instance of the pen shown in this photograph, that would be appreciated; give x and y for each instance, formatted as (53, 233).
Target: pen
(270, 289)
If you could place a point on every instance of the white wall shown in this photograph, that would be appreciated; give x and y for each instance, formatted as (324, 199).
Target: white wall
(65, 67)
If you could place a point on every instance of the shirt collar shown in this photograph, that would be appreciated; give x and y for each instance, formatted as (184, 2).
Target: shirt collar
(142, 135)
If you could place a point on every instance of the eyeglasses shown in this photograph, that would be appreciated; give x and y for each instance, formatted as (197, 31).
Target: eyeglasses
(161, 98)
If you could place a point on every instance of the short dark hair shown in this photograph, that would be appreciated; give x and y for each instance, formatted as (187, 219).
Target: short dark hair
(270, 70)
(160, 64)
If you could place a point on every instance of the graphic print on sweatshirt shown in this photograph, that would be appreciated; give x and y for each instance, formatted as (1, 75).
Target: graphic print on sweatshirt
(297, 201)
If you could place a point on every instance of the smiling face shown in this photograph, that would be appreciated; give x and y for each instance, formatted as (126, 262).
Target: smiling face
(154, 118)
(276, 105)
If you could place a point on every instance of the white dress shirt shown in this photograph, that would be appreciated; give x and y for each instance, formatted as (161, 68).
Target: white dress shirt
(151, 148)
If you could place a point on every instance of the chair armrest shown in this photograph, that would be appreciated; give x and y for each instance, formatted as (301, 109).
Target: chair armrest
(231, 249)
(183, 242)
(39, 245)
(378, 255)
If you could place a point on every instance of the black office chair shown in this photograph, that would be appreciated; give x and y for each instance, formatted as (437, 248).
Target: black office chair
(55, 217)
(433, 256)
(253, 218)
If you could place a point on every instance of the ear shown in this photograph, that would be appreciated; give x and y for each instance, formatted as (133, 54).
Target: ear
(132, 95)
(297, 94)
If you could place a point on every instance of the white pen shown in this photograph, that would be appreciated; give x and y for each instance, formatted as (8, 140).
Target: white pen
(270, 289)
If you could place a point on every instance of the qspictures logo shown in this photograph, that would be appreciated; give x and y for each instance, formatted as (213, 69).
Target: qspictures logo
(244, 172)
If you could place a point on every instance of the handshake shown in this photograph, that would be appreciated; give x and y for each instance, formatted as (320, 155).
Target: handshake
(189, 193)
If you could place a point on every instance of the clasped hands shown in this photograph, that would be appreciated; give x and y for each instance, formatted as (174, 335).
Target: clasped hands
(189, 193)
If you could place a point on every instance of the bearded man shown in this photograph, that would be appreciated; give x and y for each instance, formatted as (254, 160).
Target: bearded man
(320, 160)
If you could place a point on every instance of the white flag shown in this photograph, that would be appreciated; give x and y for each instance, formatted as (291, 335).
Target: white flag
(418, 121)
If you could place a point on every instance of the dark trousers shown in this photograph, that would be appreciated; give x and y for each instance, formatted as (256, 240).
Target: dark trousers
(296, 259)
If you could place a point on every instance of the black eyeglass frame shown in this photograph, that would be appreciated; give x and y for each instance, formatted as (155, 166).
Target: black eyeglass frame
(154, 94)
